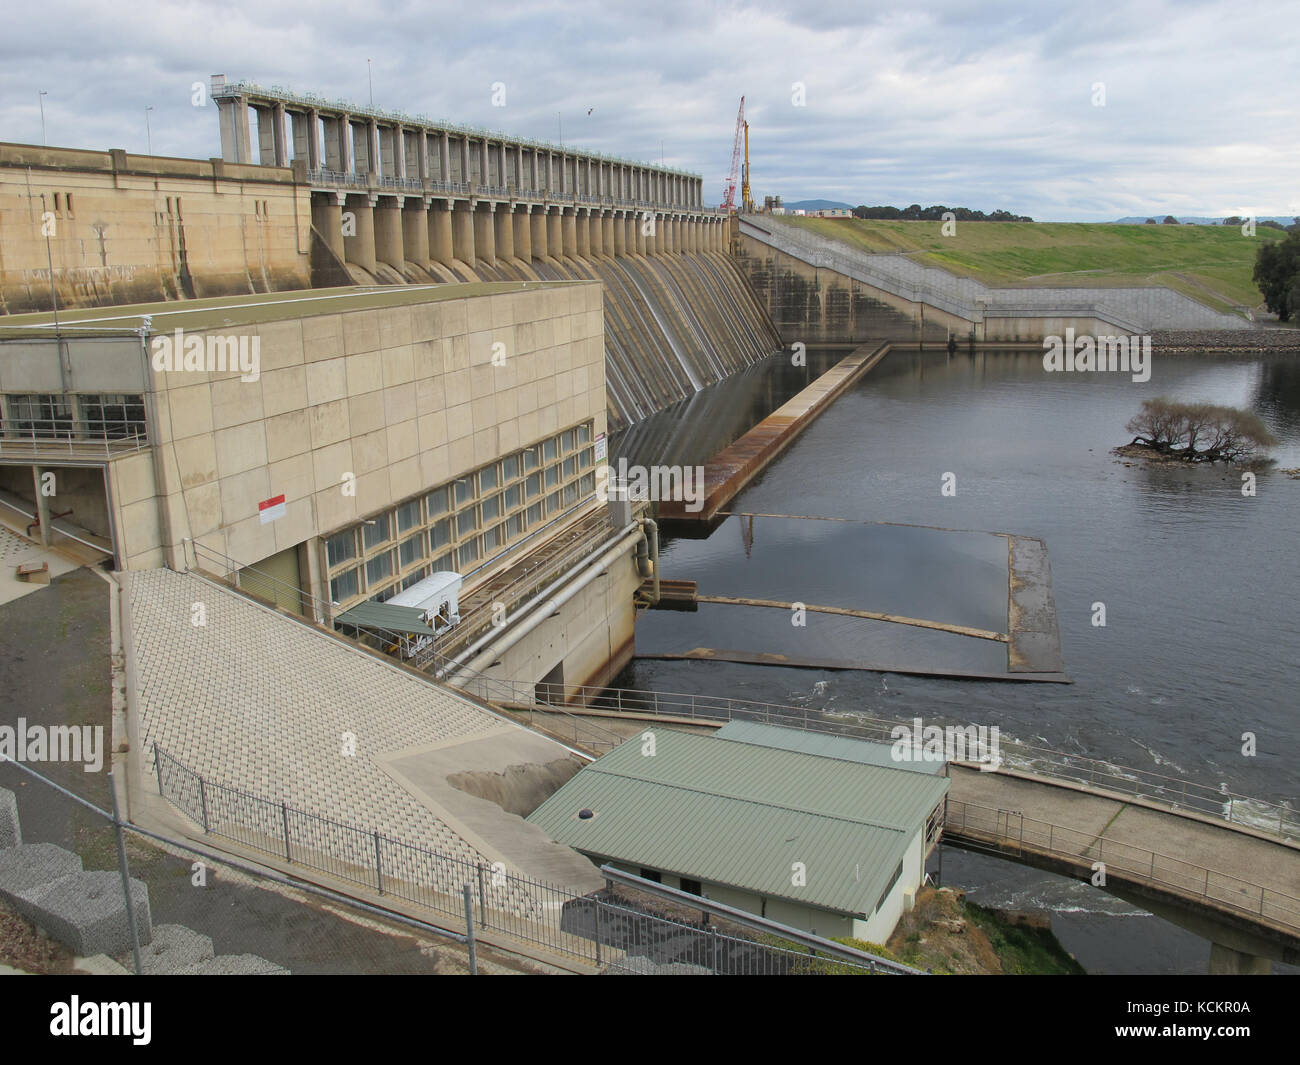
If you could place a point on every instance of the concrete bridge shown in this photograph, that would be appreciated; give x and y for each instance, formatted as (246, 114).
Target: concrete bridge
(417, 190)
(1160, 842)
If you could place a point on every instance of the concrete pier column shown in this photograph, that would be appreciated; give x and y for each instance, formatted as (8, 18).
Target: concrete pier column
(444, 157)
(336, 146)
(636, 244)
(505, 231)
(415, 229)
(236, 143)
(555, 232)
(389, 247)
(619, 238)
(485, 244)
(42, 506)
(607, 233)
(306, 137)
(522, 218)
(582, 231)
(462, 231)
(1224, 961)
(327, 220)
(359, 247)
(537, 225)
(569, 232)
(441, 248)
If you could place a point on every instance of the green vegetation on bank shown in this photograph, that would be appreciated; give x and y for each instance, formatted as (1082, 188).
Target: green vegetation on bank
(1211, 264)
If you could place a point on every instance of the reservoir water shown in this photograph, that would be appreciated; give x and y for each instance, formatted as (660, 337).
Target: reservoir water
(1202, 636)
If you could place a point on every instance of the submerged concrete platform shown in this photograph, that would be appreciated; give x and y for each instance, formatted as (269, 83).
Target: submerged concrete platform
(734, 467)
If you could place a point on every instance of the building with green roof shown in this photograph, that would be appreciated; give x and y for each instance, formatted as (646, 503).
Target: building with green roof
(831, 841)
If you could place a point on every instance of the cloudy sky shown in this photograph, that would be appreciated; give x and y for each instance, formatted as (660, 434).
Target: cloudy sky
(1081, 111)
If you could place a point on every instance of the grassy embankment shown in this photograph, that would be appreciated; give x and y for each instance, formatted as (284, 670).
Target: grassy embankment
(1211, 264)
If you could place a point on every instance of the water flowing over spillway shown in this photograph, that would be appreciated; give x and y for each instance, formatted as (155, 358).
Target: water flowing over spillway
(673, 323)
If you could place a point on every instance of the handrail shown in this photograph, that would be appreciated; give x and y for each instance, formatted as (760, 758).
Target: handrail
(1274, 905)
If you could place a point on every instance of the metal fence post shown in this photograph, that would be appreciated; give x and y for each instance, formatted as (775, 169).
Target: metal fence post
(379, 865)
(284, 820)
(597, 919)
(469, 931)
(126, 877)
(203, 804)
(482, 897)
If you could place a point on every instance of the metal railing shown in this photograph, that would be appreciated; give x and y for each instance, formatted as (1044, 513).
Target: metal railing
(609, 934)
(1010, 830)
(1175, 793)
(39, 437)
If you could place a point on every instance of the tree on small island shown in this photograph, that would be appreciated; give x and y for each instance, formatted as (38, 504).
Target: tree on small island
(1199, 432)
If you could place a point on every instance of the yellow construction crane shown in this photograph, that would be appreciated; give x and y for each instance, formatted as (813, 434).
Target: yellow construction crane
(746, 199)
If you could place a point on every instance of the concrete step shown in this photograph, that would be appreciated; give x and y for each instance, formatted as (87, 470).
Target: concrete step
(11, 834)
(28, 866)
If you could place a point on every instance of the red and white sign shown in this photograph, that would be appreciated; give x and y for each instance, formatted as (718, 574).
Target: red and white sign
(270, 509)
(600, 448)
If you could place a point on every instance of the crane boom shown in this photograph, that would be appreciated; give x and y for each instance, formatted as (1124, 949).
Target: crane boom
(729, 189)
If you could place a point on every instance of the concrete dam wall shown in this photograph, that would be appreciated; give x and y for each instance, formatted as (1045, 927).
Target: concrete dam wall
(824, 291)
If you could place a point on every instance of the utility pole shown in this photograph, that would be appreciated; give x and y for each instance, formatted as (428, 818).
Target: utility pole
(370, 77)
(147, 131)
(41, 97)
(559, 119)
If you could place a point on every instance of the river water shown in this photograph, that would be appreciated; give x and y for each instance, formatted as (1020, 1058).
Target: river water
(1199, 581)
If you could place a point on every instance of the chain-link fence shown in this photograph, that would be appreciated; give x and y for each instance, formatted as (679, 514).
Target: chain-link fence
(604, 930)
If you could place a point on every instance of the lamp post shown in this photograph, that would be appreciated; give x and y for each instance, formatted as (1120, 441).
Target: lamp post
(147, 131)
(41, 96)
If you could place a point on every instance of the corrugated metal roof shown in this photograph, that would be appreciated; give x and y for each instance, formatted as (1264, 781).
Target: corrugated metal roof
(741, 814)
(387, 617)
(820, 743)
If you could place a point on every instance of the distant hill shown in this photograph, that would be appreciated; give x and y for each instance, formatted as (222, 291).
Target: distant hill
(821, 205)
(1196, 220)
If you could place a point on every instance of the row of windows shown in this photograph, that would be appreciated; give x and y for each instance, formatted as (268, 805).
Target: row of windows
(103, 417)
(62, 203)
(459, 525)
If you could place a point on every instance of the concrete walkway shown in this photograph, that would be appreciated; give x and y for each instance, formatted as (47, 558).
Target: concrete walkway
(1215, 864)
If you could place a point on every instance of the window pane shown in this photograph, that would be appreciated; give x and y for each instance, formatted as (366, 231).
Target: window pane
(567, 441)
(467, 553)
(587, 484)
(570, 493)
(490, 508)
(514, 526)
(436, 501)
(534, 514)
(375, 534)
(514, 495)
(408, 516)
(549, 449)
(378, 568)
(491, 539)
(440, 535)
(344, 586)
(466, 523)
(530, 459)
(488, 479)
(408, 551)
(442, 564)
(553, 503)
(552, 476)
(533, 486)
(570, 467)
(510, 467)
(584, 433)
(464, 490)
(340, 547)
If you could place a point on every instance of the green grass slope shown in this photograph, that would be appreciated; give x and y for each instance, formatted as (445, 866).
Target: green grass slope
(1211, 264)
